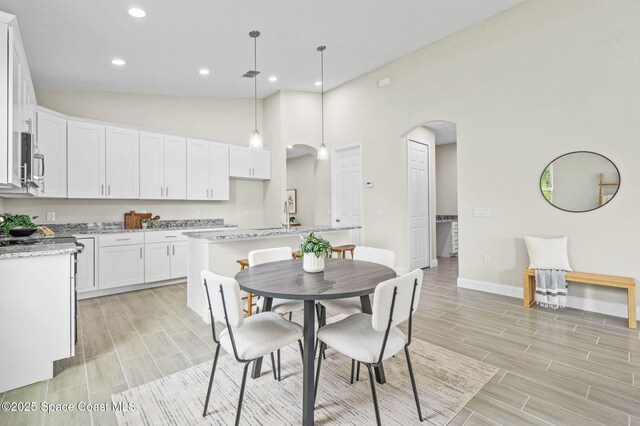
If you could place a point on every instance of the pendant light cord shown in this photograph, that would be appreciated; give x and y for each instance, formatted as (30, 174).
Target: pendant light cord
(255, 82)
(322, 90)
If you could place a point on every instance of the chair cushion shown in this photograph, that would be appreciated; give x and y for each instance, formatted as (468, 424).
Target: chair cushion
(355, 337)
(348, 306)
(260, 335)
(283, 306)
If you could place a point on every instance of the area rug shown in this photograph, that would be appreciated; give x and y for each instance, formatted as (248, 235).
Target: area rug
(446, 382)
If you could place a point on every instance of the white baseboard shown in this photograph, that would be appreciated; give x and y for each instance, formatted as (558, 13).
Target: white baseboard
(125, 289)
(434, 263)
(615, 309)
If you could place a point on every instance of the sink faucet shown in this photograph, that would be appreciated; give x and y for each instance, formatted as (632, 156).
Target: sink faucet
(286, 212)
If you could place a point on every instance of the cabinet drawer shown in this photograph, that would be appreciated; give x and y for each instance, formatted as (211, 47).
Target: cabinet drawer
(164, 236)
(123, 239)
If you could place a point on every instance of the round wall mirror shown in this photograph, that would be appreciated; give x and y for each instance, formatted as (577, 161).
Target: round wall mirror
(580, 181)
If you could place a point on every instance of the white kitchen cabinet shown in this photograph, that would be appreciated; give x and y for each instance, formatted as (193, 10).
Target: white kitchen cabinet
(122, 160)
(121, 265)
(179, 258)
(157, 262)
(207, 170)
(52, 142)
(163, 167)
(87, 265)
(85, 160)
(248, 163)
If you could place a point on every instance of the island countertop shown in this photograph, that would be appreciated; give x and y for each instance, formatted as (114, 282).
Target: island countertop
(258, 233)
(19, 250)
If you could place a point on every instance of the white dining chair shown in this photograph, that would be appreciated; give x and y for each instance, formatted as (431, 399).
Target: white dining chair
(370, 339)
(259, 257)
(247, 339)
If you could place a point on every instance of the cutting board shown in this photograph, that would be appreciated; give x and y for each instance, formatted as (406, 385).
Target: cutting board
(132, 219)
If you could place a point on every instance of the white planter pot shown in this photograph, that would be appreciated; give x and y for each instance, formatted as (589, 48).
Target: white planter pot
(311, 263)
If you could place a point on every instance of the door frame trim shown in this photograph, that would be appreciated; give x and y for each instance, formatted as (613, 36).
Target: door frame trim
(431, 230)
(334, 171)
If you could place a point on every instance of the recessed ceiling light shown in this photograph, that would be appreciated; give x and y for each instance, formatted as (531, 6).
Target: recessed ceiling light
(273, 78)
(117, 61)
(318, 83)
(289, 146)
(204, 71)
(137, 13)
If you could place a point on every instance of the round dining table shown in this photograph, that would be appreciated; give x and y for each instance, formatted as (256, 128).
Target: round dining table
(286, 279)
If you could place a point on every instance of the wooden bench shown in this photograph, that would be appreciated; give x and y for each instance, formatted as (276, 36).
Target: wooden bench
(587, 278)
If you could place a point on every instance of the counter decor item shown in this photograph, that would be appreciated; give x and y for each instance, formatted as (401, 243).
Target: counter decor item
(18, 225)
(149, 222)
(314, 250)
(133, 220)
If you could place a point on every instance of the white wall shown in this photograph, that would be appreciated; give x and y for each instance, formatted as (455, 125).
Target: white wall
(301, 176)
(523, 87)
(224, 119)
(447, 179)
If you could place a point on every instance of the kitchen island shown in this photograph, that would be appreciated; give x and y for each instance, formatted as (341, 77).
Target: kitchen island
(217, 251)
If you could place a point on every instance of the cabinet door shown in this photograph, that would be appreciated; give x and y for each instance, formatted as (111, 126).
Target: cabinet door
(239, 161)
(151, 166)
(121, 265)
(197, 170)
(261, 163)
(87, 265)
(85, 160)
(122, 163)
(179, 256)
(175, 168)
(52, 142)
(157, 262)
(16, 97)
(218, 171)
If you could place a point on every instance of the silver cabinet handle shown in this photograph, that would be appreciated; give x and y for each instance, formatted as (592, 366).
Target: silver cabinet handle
(140, 252)
(161, 192)
(173, 249)
(109, 190)
(102, 189)
(170, 236)
(167, 250)
(207, 192)
(123, 239)
(167, 191)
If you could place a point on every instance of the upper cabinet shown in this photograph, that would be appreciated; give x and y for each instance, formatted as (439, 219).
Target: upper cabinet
(122, 163)
(207, 170)
(17, 103)
(85, 160)
(51, 130)
(248, 163)
(163, 167)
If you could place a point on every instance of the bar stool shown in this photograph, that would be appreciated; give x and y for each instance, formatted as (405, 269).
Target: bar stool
(342, 250)
(244, 263)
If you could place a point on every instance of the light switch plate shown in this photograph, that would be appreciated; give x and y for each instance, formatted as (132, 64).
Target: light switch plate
(368, 185)
(482, 211)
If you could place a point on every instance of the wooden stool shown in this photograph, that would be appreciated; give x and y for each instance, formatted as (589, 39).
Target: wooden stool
(341, 250)
(244, 263)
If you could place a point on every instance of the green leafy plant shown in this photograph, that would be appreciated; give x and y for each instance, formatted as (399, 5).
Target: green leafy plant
(292, 219)
(316, 245)
(10, 221)
(148, 222)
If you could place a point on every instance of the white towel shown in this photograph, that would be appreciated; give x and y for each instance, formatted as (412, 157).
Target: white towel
(551, 288)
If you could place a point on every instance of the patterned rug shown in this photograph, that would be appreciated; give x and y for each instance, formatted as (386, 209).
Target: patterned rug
(446, 382)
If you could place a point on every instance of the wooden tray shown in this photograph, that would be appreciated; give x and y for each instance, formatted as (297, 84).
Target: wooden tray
(132, 219)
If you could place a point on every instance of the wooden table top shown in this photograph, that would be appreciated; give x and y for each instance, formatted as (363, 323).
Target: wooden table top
(287, 280)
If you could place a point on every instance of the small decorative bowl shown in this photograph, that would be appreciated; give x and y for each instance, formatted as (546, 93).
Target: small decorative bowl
(22, 232)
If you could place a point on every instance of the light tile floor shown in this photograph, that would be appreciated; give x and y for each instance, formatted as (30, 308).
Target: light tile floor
(564, 367)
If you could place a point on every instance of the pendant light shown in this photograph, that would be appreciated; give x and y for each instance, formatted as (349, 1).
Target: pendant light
(323, 152)
(255, 141)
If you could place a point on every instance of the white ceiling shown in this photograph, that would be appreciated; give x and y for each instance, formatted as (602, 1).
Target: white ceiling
(70, 44)
(446, 131)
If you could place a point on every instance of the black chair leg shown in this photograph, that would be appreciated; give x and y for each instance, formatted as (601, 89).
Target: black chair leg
(372, 380)
(213, 372)
(358, 373)
(244, 381)
(273, 367)
(290, 315)
(279, 371)
(353, 367)
(315, 391)
(301, 350)
(413, 383)
(323, 316)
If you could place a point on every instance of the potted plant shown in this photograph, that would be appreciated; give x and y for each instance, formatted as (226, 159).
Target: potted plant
(314, 250)
(149, 222)
(18, 225)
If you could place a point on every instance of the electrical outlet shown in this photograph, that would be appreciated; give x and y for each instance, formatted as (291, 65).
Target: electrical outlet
(482, 211)
(51, 216)
(197, 214)
(246, 213)
(487, 258)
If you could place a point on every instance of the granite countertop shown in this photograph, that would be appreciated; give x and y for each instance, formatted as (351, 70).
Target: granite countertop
(446, 218)
(118, 227)
(17, 251)
(250, 233)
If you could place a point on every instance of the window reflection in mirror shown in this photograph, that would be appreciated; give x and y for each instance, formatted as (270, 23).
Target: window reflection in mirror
(580, 181)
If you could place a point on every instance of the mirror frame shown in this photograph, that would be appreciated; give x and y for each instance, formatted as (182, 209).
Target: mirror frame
(579, 152)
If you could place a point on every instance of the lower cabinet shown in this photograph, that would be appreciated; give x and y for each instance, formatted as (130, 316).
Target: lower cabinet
(87, 265)
(165, 261)
(121, 265)
(179, 256)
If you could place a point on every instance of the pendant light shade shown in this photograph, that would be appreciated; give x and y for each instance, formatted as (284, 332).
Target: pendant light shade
(323, 152)
(255, 140)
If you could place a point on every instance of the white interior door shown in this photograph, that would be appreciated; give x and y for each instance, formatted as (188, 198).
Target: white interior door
(347, 189)
(418, 192)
